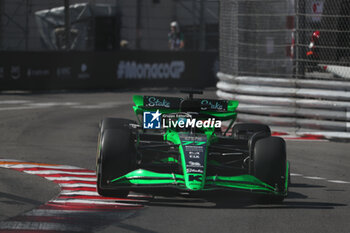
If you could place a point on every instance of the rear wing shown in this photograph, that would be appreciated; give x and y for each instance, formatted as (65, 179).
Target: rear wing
(222, 109)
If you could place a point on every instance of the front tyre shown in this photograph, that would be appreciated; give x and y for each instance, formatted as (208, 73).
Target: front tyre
(117, 157)
(269, 165)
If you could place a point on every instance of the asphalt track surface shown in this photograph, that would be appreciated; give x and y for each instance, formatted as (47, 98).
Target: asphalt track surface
(61, 128)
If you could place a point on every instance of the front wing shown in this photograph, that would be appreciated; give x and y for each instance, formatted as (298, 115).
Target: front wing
(143, 178)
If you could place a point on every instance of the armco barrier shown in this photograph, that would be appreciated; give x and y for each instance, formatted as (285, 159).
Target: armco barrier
(321, 105)
(101, 70)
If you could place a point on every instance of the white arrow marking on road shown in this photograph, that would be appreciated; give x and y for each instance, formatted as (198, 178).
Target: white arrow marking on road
(339, 181)
(295, 174)
(314, 178)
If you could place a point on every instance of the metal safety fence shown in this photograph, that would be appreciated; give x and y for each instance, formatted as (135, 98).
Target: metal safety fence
(322, 44)
(287, 62)
(87, 43)
(39, 25)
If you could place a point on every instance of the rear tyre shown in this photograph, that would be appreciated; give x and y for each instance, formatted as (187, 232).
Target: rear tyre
(269, 165)
(244, 131)
(117, 157)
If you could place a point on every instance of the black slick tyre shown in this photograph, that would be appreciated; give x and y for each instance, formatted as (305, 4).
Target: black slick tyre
(269, 165)
(117, 157)
(112, 123)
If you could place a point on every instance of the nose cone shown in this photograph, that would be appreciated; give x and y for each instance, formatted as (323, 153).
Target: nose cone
(194, 187)
(194, 181)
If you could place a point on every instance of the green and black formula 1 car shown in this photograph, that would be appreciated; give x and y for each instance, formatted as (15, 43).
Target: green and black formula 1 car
(178, 144)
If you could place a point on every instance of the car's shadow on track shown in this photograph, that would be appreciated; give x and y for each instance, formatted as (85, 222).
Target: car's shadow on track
(236, 200)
